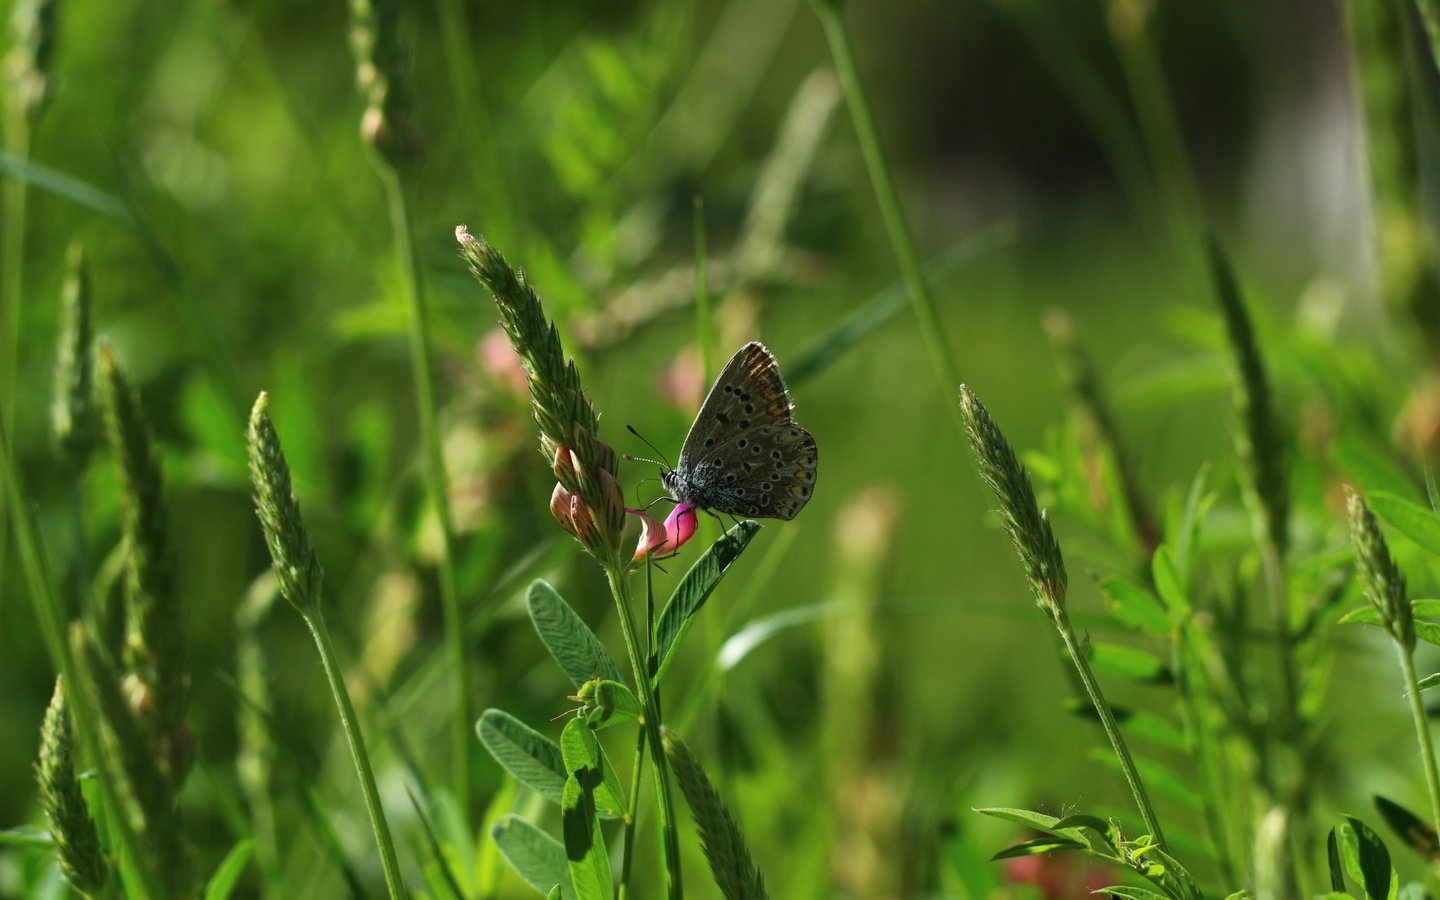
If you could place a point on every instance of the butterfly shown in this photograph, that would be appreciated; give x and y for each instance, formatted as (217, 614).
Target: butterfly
(744, 454)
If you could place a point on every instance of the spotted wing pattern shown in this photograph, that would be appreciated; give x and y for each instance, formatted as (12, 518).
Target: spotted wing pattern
(744, 454)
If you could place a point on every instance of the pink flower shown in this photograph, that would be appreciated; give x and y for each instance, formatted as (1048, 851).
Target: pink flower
(657, 540)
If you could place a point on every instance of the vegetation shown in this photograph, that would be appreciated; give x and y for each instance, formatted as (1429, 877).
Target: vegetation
(285, 317)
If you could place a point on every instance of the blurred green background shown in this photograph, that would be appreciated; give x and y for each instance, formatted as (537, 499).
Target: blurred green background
(242, 244)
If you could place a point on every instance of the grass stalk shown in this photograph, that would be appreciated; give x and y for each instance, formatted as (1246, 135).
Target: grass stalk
(670, 836)
(436, 483)
(329, 660)
(1079, 657)
(1422, 729)
(632, 818)
(703, 324)
(883, 184)
(49, 613)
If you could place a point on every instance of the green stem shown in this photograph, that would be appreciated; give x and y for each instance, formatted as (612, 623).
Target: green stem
(900, 241)
(670, 844)
(50, 614)
(12, 260)
(315, 620)
(1422, 729)
(631, 815)
(702, 294)
(1107, 720)
(435, 482)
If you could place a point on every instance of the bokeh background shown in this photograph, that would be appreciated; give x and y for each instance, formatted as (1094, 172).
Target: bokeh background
(241, 243)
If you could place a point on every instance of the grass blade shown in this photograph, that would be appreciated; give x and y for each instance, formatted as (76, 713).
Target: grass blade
(694, 590)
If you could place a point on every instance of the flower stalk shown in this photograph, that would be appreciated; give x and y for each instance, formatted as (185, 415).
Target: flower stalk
(300, 576)
(1384, 585)
(1039, 551)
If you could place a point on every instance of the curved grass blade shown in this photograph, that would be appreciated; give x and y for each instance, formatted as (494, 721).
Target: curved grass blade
(534, 855)
(694, 590)
(530, 756)
(227, 874)
(442, 862)
(574, 646)
(892, 300)
(73, 189)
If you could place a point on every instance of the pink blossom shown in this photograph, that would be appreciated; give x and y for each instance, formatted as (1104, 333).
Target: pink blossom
(658, 540)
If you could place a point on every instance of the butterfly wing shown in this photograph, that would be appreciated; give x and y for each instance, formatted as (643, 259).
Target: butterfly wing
(748, 392)
(745, 455)
(766, 472)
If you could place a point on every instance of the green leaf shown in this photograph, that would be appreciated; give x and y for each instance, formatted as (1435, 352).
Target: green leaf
(567, 637)
(222, 883)
(582, 753)
(1366, 859)
(1131, 892)
(527, 754)
(534, 855)
(1372, 469)
(1130, 663)
(1414, 521)
(1036, 820)
(1429, 632)
(1417, 834)
(1135, 606)
(584, 844)
(1369, 615)
(1167, 580)
(555, 893)
(694, 589)
(1337, 868)
(1038, 847)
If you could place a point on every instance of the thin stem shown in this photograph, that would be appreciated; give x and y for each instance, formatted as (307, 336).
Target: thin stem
(50, 614)
(435, 482)
(1422, 730)
(1107, 720)
(670, 844)
(702, 294)
(12, 260)
(631, 815)
(315, 620)
(900, 241)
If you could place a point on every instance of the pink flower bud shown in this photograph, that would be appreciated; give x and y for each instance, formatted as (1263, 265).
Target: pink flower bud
(658, 540)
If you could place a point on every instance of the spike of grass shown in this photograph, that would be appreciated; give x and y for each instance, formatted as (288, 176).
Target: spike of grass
(730, 862)
(300, 579)
(77, 844)
(1029, 530)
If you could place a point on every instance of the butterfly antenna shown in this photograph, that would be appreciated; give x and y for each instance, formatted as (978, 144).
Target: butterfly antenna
(660, 462)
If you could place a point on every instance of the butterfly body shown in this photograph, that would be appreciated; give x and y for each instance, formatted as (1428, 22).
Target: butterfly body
(744, 454)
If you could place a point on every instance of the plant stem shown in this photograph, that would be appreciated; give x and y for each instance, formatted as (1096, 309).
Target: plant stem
(12, 260)
(315, 620)
(670, 844)
(50, 614)
(1107, 719)
(702, 294)
(435, 482)
(900, 241)
(1422, 730)
(631, 815)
